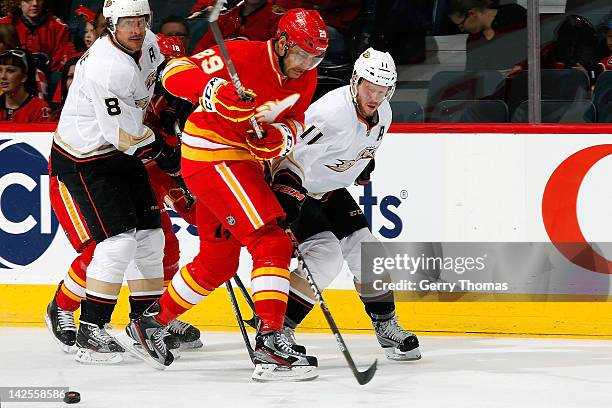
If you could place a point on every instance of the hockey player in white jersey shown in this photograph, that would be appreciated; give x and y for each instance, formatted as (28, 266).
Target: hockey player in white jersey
(97, 154)
(344, 129)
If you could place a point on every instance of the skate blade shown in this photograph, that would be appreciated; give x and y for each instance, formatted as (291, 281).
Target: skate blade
(64, 347)
(128, 343)
(175, 352)
(191, 345)
(86, 356)
(277, 373)
(395, 354)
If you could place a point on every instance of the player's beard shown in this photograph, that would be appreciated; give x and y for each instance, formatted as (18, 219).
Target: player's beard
(361, 112)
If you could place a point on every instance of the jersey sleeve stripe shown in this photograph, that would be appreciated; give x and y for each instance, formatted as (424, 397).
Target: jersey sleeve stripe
(315, 138)
(305, 134)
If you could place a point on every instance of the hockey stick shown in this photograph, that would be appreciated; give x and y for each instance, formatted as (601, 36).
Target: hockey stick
(212, 19)
(362, 377)
(178, 131)
(245, 337)
(253, 321)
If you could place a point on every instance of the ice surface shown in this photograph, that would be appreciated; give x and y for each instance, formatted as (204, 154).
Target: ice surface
(454, 372)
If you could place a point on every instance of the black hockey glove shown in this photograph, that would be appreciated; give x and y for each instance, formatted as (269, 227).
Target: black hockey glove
(187, 196)
(364, 177)
(177, 110)
(150, 151)
(167, 157)
(169, 160)
(287, 188)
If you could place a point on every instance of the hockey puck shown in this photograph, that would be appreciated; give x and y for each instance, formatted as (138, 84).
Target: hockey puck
(72, 397)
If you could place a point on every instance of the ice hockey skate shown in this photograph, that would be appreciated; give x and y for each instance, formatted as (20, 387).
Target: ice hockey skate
(399, 344)
(133, 346)
(61, 325)
(150, 334)
(276, 360)
(96, 346)
(288, 334)
(188, 336)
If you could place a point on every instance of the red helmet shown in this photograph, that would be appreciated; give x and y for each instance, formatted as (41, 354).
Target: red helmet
(170, 46)
(305, 28)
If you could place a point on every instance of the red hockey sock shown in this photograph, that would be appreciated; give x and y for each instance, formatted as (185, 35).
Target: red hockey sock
(185, 291)
(72, 289)
(66, 300)
(271, 251)
(269, 286)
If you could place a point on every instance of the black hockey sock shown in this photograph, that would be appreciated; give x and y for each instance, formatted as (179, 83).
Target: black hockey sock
(97, 310)
(138, 304)
(297, 310)
(380, 307)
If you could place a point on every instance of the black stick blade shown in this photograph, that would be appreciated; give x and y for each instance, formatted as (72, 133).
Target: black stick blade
(253, 321)
(365, 376)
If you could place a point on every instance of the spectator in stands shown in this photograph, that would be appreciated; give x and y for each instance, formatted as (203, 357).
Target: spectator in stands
(254, 20)
(606, 61)
(10, 41)
(89, 36)
(574, 46)
(339, 15)
(8, 37)
(497, 33)
(175, 26)
(18, 102)
(60, 95)
(89, 16)
(40, 33)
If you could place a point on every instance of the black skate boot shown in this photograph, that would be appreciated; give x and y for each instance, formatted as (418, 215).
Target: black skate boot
(132, 344)
(61, 325)
(275, 360)
(399, 344)
(288, 335)
(151, 335)
(96, 346)
(188, 336)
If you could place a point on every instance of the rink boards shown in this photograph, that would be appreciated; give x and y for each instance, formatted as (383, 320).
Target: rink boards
(431, 184)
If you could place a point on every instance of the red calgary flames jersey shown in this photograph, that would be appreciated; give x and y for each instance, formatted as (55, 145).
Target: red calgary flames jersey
(207, 136)
(32, 110)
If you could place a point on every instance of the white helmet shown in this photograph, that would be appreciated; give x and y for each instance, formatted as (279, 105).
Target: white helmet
(115, 9)
(377, 67)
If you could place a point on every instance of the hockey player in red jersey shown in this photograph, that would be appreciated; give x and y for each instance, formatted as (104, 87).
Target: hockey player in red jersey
(71, 290)
(221, 164)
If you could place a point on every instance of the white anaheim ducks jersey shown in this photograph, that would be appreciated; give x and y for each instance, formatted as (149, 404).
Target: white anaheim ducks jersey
(106, 103)
(337, 144)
